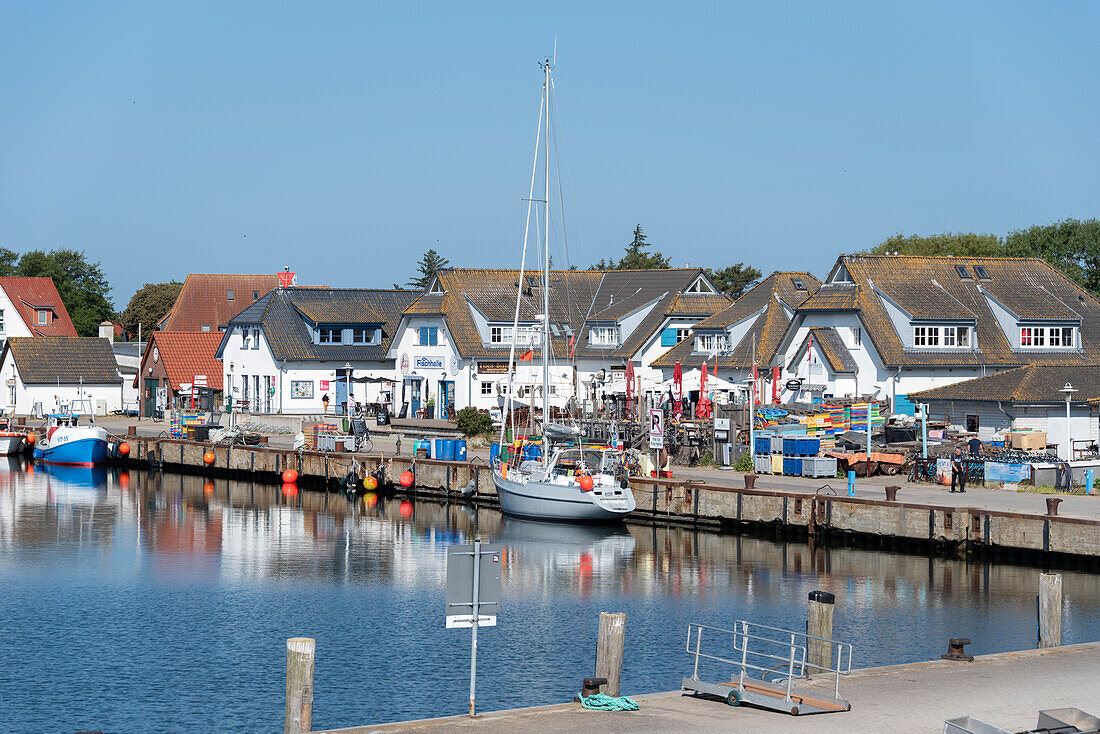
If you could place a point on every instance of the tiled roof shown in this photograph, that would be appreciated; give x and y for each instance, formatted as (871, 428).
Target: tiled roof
(832, 347)
(766, 332)
(354, 309)
(204, 300)
(185, 354)
(29, 295)
(833, 297)
(576, 297)
(931, 288)
(281, 314)
(67, 360)
(1030, 384)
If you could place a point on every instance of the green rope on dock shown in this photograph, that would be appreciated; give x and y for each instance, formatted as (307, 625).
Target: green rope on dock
(604, 702)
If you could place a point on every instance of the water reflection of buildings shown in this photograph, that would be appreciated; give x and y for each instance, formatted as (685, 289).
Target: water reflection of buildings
(243, 531)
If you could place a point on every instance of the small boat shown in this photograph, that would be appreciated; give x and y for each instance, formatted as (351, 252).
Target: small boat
(69, 443)
(11, 441)
(570, 482)
(557, 489)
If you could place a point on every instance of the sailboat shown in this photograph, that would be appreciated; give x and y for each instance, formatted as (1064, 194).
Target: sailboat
(569, 481)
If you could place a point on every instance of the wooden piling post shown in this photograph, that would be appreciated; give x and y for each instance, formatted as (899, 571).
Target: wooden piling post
(299, 685)
(819, 623)
(1050, 609)
(609, 650)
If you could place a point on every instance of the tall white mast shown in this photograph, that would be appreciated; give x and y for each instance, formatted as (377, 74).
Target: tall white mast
(546, 260)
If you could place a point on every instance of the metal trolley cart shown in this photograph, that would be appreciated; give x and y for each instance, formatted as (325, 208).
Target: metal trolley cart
(761, 651)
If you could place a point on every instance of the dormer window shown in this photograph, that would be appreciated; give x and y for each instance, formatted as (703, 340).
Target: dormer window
(43, 316)
(1044, 337)
(711, 343)
(603, 336)
(964, 274)
(950, 337)
(436, 287)
(330, 336)
(700, 286)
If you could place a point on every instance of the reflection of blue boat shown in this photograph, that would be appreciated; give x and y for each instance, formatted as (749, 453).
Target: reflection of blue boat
(78, 476)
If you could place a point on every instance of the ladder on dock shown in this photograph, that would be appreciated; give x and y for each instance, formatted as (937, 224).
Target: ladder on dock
(757, 652)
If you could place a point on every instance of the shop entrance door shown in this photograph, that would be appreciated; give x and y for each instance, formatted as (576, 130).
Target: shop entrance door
(150, 397)
(446, 398)
(412, 396)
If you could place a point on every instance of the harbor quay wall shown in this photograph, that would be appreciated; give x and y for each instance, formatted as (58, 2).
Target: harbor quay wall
(787, 513)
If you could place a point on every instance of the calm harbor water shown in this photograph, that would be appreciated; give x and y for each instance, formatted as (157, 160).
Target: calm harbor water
(137, 602)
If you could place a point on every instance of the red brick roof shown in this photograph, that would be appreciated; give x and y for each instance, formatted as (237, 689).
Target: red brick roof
(185, 354)
(29, 295)
(204, 300)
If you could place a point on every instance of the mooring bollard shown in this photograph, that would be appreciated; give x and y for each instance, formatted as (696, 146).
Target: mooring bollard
(1050, 609)
(299, 685)
(819, 623)
(892, 493)
(609, 650)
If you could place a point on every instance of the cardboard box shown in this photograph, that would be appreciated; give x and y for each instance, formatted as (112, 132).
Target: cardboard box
(1029, 440)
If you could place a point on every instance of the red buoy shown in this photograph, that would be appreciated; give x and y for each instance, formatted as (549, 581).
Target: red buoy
(586, 483)
(290, 476)
(30, 439)
(406, 478)
(124, 449)
(209, 458)
(406, 510)
(370, 483)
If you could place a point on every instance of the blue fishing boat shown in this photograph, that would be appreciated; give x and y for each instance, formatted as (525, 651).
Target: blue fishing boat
(69, 443)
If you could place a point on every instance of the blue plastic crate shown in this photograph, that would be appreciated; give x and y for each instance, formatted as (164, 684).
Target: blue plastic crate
(792, 466)
(790, 446)
(761, 445)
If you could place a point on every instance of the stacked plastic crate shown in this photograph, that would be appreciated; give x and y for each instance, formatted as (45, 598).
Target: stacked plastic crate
(761, 455)
(314, 430)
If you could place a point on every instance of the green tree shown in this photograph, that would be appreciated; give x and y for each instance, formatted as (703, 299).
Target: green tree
(427, 267)
(148, 306)
(637, 257)
(81, 284)
(8, 261)
(961, 244)
(734, 280)
(1071, 246)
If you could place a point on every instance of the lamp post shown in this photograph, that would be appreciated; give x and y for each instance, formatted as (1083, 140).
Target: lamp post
(347, 401)
(1068, 391)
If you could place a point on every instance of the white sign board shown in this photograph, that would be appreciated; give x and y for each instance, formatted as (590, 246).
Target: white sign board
(721, 424)
(656, 442)
(200, 380)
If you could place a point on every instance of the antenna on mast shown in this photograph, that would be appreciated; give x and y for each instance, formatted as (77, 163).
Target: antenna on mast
(555, 49)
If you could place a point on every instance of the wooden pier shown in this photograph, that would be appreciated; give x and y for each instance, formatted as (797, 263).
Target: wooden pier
(787, 513)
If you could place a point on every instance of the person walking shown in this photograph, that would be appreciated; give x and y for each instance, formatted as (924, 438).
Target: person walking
(958, 471)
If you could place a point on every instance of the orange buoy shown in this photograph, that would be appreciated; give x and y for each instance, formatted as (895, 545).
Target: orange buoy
(371, 499)
(406, 478)
(586, 483)
(406, 509)
(370, 483)
(30, 439)
(290, 476)
(290, 489)
(124, 449)
(209, 457)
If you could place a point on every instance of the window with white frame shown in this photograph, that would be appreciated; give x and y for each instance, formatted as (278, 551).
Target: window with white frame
(330, 336)
(486, 387)
(946, 337)
(1042, 337)
(603, 336)
(857, 336)
(682, 333)
(362, 336)
(43, 316)
(256, 338)
(524, 335)
(705, 342)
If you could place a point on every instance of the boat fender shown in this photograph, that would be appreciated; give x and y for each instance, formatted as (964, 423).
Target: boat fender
(586, 483)
(468, 490)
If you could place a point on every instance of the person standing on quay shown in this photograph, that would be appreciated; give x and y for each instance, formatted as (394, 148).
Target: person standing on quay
(958, 471)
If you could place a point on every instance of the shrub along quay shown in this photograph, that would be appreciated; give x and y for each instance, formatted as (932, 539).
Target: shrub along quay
(787, 513)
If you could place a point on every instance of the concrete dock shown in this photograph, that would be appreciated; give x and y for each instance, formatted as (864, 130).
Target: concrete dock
(1006, 690)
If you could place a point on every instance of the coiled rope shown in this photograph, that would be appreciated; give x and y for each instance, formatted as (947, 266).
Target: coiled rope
(604, 702)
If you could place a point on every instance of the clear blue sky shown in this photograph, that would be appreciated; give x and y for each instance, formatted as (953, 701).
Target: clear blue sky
(344, 139)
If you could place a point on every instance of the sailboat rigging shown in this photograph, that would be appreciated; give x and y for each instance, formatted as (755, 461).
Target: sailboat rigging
(568, 481)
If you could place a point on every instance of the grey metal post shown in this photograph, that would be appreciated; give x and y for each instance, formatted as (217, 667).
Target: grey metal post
(473, 628)
(299, 685)
(819, 623)
(1050, 609)
(924, 430)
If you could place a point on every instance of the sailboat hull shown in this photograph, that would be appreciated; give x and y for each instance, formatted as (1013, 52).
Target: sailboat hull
(562, 503)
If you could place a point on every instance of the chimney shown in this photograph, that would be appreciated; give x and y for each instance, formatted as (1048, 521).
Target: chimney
(107, 331)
